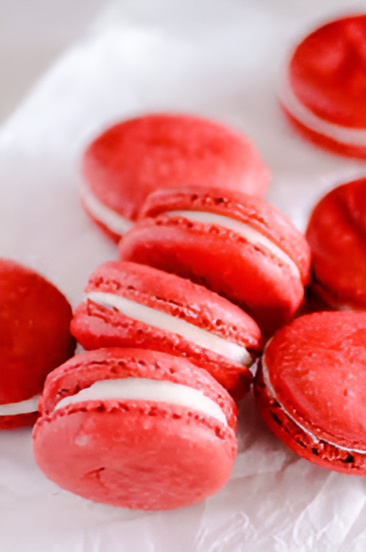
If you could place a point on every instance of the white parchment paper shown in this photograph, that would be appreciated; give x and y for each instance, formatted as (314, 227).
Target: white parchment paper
(218, 59)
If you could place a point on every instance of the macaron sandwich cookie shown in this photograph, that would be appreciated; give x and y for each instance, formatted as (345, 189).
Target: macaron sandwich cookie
(235, 244)
(311, 389)
(134, 157)
(337, 236)
(34, 339)
(135, 428)
(132, 305)
(323, 86)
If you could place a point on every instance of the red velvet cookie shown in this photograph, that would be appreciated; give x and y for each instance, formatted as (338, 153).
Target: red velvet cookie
(34, 339)
(135, 428)
(311, 389)
(132, 305)
(235, 244)
(337, 237)
(133, 158)
(323, 88)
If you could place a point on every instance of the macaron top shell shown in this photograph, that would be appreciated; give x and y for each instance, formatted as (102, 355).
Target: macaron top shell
(178, 297)
(85, 369)
(316, 367)
(133, 158)
(337, 236)
(250, 210)
(34, 331)
(327, 71)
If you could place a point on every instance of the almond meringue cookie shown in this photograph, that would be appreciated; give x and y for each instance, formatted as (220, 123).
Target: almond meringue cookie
(34, 339)
(135, 428)
(131, 305)
(235, 244)
(311, 389)
(322, 88)
(137, 156)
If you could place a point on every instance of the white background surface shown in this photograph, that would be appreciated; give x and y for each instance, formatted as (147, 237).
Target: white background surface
(214, 58)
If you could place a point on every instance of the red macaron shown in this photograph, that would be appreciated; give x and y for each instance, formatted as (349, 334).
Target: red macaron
(34, 339)
(132, 305)
(235, 244)
(337, 236)
(132, 158)
(135, 428)
(311, 389)
(323, 87)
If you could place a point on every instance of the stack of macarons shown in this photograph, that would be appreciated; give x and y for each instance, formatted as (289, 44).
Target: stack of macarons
(208, 271)
(173, 330)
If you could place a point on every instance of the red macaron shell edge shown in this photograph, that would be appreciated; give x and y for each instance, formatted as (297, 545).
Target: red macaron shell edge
(245, 208)
(325, 142)
(177, 297)
(115, 363)
(95, 327)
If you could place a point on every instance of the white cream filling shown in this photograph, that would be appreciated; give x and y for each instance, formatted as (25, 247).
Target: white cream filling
(313, 437)
(249, 233)
(169, 323)
(348, 136)
(143, 389)
(21, 407)
(113, 221)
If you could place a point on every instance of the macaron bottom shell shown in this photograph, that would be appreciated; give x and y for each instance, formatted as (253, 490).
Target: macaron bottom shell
(294, 437)
(108, 328)
(18, 420)
(134, 454)
(326, 142)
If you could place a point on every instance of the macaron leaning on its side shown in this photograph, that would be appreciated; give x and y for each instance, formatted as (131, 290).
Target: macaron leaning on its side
(235, 244)
(129, 160)
(135, 428)
(132, 305)
(323, 86)
(337, 236)
(311, 389)
(34, 339)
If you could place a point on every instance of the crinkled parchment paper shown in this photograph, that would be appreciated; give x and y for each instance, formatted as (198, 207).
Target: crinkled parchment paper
(218, 59)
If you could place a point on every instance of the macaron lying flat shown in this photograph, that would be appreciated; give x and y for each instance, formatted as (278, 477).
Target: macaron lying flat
(337, 236)
(323, 87)
(235, 244)
(135, 428)
(34, 339)
(131, 159)
(132, 305)
(311, 389)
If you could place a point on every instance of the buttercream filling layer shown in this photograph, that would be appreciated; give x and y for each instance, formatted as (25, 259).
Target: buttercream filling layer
(348, 136)
(245, 230)
(172, 324)
(143, 389)
(313, 437)
(21, 407)
(111, 219)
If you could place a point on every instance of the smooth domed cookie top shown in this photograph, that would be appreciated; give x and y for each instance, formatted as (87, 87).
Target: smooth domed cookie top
(316, 366)
(327, 71)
